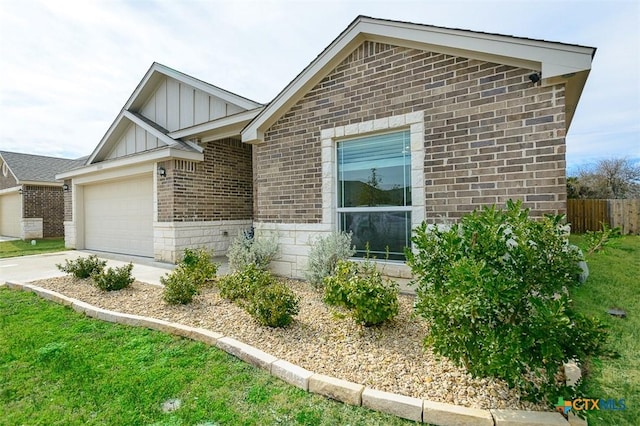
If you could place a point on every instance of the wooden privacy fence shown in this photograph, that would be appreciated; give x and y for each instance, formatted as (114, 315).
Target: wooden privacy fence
(586, 215)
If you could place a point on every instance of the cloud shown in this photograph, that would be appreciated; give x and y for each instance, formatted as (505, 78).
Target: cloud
(69, 67)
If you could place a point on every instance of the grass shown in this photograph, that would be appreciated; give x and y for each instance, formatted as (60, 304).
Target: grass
(614, 282)
(25, 248)
(60, 367)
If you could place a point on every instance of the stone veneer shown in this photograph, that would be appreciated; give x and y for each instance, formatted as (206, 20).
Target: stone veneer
(171, 238)
(489, 135)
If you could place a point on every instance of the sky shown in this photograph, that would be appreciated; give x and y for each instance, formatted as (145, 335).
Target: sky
(68, 67)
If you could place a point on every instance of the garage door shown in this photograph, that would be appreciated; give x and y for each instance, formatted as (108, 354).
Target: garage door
(119, 216)
(10, 213)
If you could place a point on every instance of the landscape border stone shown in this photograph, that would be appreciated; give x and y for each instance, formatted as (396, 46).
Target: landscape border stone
(347, 392)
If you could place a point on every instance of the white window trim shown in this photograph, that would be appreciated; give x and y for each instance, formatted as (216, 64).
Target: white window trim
(414, 121)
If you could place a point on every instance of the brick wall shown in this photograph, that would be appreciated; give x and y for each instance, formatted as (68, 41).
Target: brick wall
(219, 188)
(490, 134)
(68, 201)
(46, 202)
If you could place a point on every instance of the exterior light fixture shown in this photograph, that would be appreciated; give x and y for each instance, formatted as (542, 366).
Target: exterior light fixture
(162, 172)
(535, 77)
(65, 187)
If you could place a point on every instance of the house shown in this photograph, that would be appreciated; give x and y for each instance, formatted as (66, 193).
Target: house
(392, 124)
(31, 199)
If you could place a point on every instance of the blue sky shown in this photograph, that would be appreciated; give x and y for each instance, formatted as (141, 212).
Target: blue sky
(68, 67)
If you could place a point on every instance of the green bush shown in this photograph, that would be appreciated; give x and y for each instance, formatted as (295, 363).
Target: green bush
(83, 267)
(598, 240)
(179, 287)
(270, 302)
(197, 262)
(360, 288)
(246, 249)
(241, 285)
(324, 256)
(114, 279)
(494, 289)
(189, 277)
(274, 305)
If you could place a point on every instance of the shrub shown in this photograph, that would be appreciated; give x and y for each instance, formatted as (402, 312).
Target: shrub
(246, 249)
(83, 267)
(324, 256)
(360, 288)
(198, 264)
(242, 284)
(274, 305)
(598, 240)
(192, 273)
(114, 279)
(179, 287)
(494, 290)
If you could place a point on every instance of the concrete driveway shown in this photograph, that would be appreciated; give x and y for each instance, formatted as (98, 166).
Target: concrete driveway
(42, 266)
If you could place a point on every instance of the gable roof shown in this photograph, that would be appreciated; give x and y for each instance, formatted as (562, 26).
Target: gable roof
(557, 62)
(149, 83)
(28, 168)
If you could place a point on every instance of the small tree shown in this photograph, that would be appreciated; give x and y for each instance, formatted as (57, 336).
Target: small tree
(608, 178)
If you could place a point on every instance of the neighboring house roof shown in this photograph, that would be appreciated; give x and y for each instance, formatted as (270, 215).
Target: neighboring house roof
(28, 168)
(557, 62)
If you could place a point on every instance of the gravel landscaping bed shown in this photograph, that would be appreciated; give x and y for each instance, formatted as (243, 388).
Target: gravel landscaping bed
(322, 339)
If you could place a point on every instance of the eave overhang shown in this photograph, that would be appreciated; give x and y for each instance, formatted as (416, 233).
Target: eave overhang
(557, 62)
(160, 154)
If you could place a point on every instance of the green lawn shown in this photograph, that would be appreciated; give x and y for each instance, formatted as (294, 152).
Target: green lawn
(24, 248)
(60, 367)
(614, 282)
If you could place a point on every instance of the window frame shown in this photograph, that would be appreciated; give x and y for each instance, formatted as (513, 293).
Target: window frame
(414, 122)
(407, 208)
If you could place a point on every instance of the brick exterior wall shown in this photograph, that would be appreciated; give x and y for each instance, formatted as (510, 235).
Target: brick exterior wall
(219, 188)
(68, 201)
(490, 134)
(46, 202)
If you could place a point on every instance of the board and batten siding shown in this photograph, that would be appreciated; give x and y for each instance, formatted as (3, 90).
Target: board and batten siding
(135, 139)
(175, 105)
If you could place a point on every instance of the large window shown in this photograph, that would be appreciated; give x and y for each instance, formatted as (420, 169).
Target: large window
(374, 193)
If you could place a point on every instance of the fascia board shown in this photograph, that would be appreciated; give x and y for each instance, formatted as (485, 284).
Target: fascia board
(327, 60)
(148, 128)
(191, 81)
(37, 183)
(153, 156)
(238, 121)
(551, 58)
(107, 136)
(10, 190)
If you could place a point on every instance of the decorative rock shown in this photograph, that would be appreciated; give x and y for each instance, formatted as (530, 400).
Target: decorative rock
(572, 373)
(439, 413)
(398, 405)
(527, 418)
(246, 353)
(292, 374)
(338, 389)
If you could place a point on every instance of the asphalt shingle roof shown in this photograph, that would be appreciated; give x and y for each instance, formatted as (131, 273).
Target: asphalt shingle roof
(37, 168)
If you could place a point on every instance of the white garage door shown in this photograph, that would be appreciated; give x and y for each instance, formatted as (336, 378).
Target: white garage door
(10, 213)
(119, 216)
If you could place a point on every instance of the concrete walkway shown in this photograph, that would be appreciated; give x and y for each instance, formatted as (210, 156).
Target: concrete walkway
(43, 266)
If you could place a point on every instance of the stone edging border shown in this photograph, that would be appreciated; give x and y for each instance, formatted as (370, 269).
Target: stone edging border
(410, 408)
